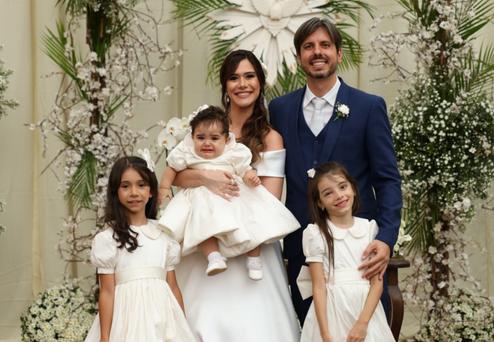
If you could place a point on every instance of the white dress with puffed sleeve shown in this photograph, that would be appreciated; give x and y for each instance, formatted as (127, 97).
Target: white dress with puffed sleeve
(346, 289)
(241, 223)
(230, 306)
(144, 308)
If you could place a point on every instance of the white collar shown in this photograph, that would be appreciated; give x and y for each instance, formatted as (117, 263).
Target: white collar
(149, 230)
(358, 230)
(330, 96)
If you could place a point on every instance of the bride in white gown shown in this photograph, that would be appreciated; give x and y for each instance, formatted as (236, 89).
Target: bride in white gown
(230, 307)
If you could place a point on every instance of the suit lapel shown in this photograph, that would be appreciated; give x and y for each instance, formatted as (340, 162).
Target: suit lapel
(334, 126)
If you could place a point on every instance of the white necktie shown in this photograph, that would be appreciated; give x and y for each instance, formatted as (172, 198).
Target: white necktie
(317, 122)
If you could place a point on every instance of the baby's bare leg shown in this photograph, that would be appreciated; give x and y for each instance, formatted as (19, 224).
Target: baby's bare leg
(208, 246)
(255, 252)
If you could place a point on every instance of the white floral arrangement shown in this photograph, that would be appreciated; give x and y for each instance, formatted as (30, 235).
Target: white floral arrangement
(4, 83)
(102, 82)
(176, 129)
(466, 317)
(446, 145)
(63, 313)
(403, 239)
(443, 130)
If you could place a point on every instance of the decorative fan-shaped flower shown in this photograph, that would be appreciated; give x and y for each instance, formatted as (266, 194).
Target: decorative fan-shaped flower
(267, 27)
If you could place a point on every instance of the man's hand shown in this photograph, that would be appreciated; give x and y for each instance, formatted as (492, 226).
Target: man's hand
(250, 178)
(376, 257)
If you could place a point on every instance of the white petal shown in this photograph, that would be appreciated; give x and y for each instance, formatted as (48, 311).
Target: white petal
(263, 6)
(298, 20)
(284, 39)
(232, 33)
(271, 59)
(231, 17)
(290, 7)
(257, 42)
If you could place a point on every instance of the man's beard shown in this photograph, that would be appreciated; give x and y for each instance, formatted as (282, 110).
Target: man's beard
(320, 74)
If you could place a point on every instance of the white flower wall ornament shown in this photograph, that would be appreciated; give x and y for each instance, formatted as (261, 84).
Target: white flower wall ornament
(266, 27)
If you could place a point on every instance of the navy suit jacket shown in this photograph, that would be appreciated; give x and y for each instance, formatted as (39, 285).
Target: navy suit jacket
(361, 142)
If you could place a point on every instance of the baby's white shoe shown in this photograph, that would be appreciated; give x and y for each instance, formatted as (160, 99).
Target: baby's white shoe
(254, 265)
(216, 264)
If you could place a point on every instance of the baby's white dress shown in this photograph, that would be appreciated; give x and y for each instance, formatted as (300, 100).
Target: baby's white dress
(346, 289)
(145, 308)
(241, 223)
(230, 307)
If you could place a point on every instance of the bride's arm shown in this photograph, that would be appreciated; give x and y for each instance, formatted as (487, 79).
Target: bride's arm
(221, 183)
(274, 185)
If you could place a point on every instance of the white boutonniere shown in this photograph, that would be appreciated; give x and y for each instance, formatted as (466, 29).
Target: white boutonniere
(342, 111)
(311, 173)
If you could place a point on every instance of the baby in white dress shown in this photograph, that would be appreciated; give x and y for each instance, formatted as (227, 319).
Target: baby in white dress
(221, 228)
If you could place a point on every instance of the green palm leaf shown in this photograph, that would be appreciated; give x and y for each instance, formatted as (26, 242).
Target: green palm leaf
(481, 71)
(74, 7)
(54, 44)
(470, 25)
(83, 182)
(195, 13)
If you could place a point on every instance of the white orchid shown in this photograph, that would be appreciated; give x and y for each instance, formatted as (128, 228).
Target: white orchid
(146, 155)
(266, 27)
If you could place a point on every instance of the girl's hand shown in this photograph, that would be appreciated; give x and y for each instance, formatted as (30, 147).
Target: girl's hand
(327, 338)
(222, 183)
(250, 178)
(164, 194)
(358, 332)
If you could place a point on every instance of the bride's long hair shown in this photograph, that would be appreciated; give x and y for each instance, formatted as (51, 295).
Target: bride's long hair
(257, 126)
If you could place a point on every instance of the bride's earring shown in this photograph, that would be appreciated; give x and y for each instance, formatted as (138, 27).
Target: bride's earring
(227, 99)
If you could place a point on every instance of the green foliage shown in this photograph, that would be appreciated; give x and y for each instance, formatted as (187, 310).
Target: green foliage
(83, 182)
(443, 124)
(4, 83)
(194, 13)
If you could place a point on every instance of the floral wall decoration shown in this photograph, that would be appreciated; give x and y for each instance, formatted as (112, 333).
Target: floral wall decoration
(101, 81)
(266, 27)
(5, 104)
(443, 127)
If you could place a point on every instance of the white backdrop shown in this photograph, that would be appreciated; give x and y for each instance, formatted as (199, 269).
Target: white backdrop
(28, 259)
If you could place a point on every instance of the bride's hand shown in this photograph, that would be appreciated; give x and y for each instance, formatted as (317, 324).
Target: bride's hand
(221, 183)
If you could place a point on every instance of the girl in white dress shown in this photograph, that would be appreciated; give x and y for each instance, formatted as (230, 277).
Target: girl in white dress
(345, 307)
(139, 299)
(221, 228)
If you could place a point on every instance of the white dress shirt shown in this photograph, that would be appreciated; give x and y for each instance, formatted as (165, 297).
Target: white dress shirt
(317, 113)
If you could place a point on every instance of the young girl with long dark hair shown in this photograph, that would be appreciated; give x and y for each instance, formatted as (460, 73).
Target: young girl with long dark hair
(139, 299)
(345, 306)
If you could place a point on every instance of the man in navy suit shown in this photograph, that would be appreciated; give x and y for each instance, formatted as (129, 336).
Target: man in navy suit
(314, 131)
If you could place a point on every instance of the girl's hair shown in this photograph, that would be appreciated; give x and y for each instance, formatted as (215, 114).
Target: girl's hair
(211, 115)
(319, 215)
(115, 213)
(257, 126)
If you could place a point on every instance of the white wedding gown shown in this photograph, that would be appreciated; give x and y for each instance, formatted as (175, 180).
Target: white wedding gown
(230, 307)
